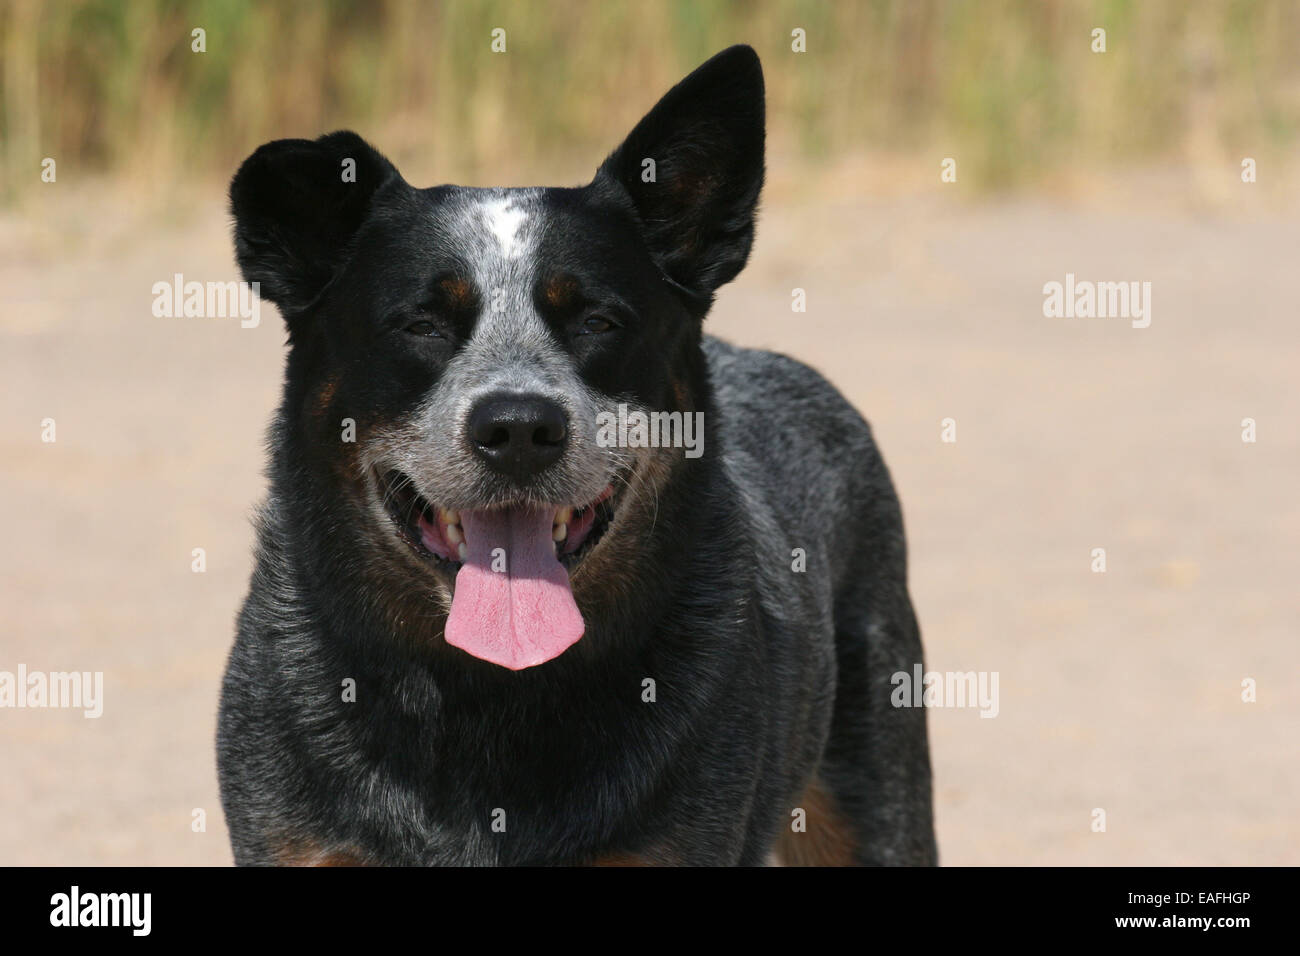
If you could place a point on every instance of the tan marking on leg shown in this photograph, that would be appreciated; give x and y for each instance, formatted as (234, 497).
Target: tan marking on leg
(299, 852)
(648, 858)
(621, 859)
(829, 839)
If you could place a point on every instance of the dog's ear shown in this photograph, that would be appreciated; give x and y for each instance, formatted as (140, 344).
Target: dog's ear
(693, 168)
(296, 204)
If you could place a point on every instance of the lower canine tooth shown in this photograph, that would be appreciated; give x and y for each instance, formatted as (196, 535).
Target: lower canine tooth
(462, 552)
(559, 532)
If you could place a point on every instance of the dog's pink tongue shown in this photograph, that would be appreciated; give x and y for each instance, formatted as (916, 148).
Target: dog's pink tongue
(512, 605)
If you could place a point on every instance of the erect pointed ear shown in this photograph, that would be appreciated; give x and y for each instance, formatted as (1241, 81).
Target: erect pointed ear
(693, 168)
(297, 203)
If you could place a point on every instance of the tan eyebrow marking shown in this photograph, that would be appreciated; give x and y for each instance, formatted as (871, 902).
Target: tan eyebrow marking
(560, 291)
(459, 292)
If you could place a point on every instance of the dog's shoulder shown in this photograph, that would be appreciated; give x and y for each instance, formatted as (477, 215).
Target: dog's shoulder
(757, 380)
(793, 445)
(777, 407)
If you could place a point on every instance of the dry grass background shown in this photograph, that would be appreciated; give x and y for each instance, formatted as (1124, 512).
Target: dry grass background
(1011, 86)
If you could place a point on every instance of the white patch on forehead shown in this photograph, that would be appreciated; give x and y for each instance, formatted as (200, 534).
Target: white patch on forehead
(505, 219)
(510, 344)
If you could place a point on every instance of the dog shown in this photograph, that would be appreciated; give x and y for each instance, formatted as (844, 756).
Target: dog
(489, 623)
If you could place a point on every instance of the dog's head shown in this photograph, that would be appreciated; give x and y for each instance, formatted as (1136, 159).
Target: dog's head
(454, 349)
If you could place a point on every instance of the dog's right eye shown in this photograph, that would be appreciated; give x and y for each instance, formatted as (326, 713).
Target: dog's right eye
(424, 327)
(595, 325)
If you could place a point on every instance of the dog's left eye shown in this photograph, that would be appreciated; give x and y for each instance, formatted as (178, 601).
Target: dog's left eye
(594, 325)
(424, 327)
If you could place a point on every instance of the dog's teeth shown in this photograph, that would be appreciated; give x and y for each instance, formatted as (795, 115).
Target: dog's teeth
(563, 516)
(453, 535)
(559, 532)
(462, 552)
(453, 517)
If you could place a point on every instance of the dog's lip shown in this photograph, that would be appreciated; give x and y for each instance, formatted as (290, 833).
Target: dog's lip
(437, 535)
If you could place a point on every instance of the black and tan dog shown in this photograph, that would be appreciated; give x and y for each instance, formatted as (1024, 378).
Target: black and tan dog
(487, 625)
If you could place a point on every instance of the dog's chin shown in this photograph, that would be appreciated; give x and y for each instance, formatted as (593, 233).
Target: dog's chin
(437, 536)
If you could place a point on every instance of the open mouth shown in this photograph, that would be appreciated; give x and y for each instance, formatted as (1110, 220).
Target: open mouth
(440, 535)
(512, 603)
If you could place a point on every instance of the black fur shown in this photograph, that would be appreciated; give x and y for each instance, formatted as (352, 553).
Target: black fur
(765, 678)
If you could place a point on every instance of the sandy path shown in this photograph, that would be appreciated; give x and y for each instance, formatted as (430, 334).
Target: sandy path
(1117, 690)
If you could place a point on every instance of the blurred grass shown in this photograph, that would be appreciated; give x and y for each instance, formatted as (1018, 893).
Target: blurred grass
(1010, 87)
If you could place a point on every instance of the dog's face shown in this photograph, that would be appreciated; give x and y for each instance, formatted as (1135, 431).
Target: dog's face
(475, 336)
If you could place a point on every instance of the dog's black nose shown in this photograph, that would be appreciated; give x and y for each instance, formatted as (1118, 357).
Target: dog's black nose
(518, 435)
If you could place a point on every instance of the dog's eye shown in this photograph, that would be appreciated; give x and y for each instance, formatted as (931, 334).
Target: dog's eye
(594, 325)
(424, 327)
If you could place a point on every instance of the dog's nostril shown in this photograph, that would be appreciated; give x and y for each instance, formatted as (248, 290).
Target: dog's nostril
(550, 434)
(518, 435)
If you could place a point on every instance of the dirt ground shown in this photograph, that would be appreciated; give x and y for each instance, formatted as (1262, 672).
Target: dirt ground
(1118, 690)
